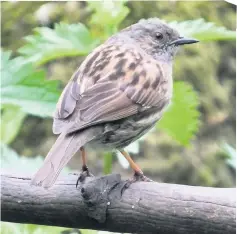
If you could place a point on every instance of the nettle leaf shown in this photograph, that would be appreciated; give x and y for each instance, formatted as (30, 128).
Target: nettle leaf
(23, 86)
(64, 40)
(181, 120)
(202, 30)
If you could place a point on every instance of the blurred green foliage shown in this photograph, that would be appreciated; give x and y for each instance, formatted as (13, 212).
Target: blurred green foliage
(26, 165)
(107, 16)
(11, 122)
(204, 31)
(181, 120)
(10, 159)
(36, 96)
(13, 228)
(26, 87)
(231, 154)
(64, 40)
(107, 163)
(50, 52)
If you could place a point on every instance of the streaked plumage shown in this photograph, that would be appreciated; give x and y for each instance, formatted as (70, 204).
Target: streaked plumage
(117, 94)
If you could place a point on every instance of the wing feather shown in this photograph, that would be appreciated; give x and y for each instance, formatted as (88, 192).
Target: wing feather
(120, 87)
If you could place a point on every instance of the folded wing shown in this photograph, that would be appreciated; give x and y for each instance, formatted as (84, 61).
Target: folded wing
(121, 83)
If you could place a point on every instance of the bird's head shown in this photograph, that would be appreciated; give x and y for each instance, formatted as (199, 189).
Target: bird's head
(157, 38)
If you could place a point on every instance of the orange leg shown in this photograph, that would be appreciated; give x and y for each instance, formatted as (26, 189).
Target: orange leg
(83, 157)
(138, 175)
(133, 165)
(85, 171)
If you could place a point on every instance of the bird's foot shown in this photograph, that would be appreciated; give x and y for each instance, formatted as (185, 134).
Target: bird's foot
(137, 177)
(82, 176)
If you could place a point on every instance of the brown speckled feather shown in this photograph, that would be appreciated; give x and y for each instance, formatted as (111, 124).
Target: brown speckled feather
(109, 86)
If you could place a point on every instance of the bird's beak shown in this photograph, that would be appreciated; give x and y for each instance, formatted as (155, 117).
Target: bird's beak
(183, 41)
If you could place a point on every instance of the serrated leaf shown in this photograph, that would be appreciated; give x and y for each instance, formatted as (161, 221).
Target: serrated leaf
(202, 30)
(64, 40)
(22, 86)
(181, 120)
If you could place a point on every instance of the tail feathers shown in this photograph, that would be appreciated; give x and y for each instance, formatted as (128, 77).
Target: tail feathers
(62, 151)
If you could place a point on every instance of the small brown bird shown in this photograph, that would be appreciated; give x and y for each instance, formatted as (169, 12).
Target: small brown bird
(117, 94)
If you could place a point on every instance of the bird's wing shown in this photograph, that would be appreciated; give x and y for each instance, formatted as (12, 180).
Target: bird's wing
(66, 105)
(125, 82)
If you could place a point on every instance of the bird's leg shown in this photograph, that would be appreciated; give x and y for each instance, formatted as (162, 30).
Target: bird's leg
(85, 171)
(83, 157)
(138, 174)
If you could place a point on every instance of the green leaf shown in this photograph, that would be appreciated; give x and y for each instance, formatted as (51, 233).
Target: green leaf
(108, 159)
(202, 30)
(64, 40)
(181, 120)
(231, 153)
(25, 165)
(84, 231)
(16, 228)
(108, 15)
(105, 232)
(11, 120)
(22, 86)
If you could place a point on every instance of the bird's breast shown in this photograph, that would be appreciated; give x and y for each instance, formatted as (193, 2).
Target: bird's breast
(121, 133)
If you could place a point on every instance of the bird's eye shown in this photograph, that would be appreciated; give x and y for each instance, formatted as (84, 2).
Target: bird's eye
(159, 36)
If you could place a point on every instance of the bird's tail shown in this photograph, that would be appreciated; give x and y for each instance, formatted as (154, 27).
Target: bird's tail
(59, 155)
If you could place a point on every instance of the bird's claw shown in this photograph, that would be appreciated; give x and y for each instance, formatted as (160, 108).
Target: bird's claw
(137, 177)
(82, 176)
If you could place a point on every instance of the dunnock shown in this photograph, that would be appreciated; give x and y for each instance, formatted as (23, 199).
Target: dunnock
(117, 94)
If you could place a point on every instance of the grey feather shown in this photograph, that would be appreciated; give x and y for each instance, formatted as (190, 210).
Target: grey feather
(62, 151)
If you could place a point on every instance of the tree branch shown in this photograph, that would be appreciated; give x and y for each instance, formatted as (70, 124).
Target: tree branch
(98, 204)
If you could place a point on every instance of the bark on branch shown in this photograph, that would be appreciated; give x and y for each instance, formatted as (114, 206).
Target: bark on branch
(98, 204)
